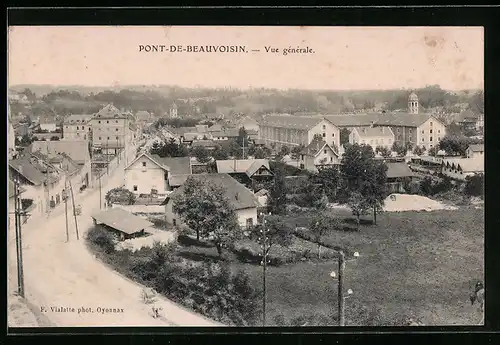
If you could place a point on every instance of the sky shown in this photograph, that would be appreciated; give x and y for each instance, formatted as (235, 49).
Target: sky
(343, 58)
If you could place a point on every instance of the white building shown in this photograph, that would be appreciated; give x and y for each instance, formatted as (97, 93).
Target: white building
(475, 151)
(77, 127)
(149, 174)
(373, 136)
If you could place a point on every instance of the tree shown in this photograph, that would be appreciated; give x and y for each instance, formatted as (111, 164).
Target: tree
(296, 151)
(204, 207)
(356, 160)
(201, 154)
(234, 149)
(433, 151)
(219, 153)
(358, 205)
(327, 178)
(417, 150)
(474, 185)
(319, 226)
(455, 144)
(373, 187)
(277, 232)
(285, 150)
(399, 148)
(276, 201)
(344, 136)
(120, 195)
(383, 151)
(259, 153)
(242, 138)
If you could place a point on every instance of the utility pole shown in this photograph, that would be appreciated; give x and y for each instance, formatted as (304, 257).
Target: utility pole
(65, 197)
(264, 247)
(74, 209)
(107, 158)
(100, 191)
(341, 299)
(19, 243)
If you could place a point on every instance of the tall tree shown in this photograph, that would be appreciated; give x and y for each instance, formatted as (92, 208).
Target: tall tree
(327, 178)
(276, 201)
(399, 148)
(203, 207)
(344, 136)
(356, 162)
(219, 153)
(383, 151)
(201, 154)
(373, 187)
(358, 205)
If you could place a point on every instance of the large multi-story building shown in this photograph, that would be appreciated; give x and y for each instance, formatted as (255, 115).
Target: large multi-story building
(297, 130)
(78, 127)
(112, 129)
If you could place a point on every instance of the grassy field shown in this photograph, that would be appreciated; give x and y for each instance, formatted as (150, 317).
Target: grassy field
(412, 264)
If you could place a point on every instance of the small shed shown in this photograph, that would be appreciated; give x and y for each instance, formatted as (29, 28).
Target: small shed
(397, 173)
(122, 223)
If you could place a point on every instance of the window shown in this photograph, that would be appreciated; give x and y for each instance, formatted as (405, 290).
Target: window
(333, 134)
(77, 134)
(77, 128)
(331, 159)
(107, 121)
(116, 121)
(399, 130)
(430, 139)
(409, 131)
(84, 137)
(430, 131)
(174, 222)
(108, 138)
(100, 138)
(302, 157)
(431, 124)
(249, 222)
(99, 121)
(430, 145)
(117, 129)
(389, 141)
(439, 131)
(324, 135)
(116, 138)
(66, 127)
(324, 126)
(422, 139)
(422, 132)
(143, 164)
(302, 165)
(135, 188)
(324, 152)
(83, 127)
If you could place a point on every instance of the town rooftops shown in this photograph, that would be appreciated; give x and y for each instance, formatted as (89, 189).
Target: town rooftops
(182, 130)
(48, 119)
(467, 116)
(122, 220)
(110, 112)
(290, 121)
(174, 165)
(476, 147)
(28, 170)
(367, 132)
(247, 166)
(78, 150)
(315, 147)
(229, 132)
(238, 195)
(379, 119)
(78, 119)
(398, 169)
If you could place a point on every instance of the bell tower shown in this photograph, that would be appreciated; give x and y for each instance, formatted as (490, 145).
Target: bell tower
(413, 103)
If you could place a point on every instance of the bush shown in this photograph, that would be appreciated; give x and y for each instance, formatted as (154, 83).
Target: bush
(120, 196)
(102, 239)
(474, 185)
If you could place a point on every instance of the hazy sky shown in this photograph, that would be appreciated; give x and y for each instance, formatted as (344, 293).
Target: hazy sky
(344, 57)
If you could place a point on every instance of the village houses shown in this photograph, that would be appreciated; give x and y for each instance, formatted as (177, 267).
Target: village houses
(318, 153)
(242, 200)
(77, 127)
(475, 151)
(247, 171)
(48, 123)
(151, 174)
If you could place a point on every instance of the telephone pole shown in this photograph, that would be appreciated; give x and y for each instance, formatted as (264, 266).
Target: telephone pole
(65, 197)
(100, 191)
(19, 243)
(264, 246)
(341, 299)
(74, 209)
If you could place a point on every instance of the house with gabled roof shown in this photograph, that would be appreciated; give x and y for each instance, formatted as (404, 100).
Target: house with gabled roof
(460, 168)
(289, 130)
(318, 153)
(242, 200)
(152, 174)
(246, 171)
(475, 150)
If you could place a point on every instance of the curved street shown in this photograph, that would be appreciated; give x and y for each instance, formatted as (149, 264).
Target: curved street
(62, 275)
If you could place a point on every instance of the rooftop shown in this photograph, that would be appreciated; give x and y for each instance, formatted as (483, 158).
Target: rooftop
(76, 119)
(290, 121)
(78, 150)
(110, 112)
(382, 131)
(25, 167)
(248, 166)
(399, 169)
(238, 195)
(122, 220)
(466, 164)
(315, 147)
(477, 147)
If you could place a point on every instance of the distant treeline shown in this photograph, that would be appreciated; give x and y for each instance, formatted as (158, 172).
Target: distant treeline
(158, 100)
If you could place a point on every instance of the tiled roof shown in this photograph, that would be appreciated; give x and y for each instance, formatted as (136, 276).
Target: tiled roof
(290, 121)
(77, 119)
(177, 180)
(403, 119)
(399, 169)
(248, 166)
(230, 133)
(238, 195)
(353, 120)
(367, 132)
(121, 220)
(78, 150)
(204, 143)
(477, 147)
(315, 147)
(27, 169)
(110, 112)
(177, 165)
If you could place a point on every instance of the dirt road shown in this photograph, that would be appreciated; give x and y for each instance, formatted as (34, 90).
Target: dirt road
(72, 288)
